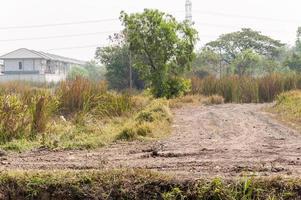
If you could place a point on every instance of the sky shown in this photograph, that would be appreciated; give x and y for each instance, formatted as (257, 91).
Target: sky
(74, 28)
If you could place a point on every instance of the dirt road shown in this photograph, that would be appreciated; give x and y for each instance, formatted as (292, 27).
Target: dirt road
(221, 140)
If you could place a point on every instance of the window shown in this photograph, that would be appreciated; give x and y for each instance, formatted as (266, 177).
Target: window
(20, 65)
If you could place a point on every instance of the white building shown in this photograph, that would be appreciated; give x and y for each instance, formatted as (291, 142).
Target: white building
(36, 66)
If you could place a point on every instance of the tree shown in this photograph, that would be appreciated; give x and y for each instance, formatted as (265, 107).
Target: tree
(162, 49)
(233, 44)
(298, 41)
(77, 71)
(116, 60)
(95, 72)
(293, 57)
(90, 70)
(209, 61)
(245, 61)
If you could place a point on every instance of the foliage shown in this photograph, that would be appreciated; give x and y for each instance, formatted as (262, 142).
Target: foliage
(95, 72)
(117, 62)
(245, 61)
(77, 71)
(151, 122)
(233, 44)
(15, 118)
(243, 50)
(293, 61)
(162, 47)
(208, 61)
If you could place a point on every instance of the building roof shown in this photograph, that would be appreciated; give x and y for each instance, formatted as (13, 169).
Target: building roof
(24, 53)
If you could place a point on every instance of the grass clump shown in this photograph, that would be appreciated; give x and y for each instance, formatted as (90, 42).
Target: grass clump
(151, 122)
(213, 100)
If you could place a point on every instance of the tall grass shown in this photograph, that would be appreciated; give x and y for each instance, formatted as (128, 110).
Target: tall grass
(246, 89)
(26, 111)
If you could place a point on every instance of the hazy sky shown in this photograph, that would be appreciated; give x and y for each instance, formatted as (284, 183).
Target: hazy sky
(276, 18)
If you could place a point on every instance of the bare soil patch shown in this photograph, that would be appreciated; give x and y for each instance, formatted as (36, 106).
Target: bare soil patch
(221, 140)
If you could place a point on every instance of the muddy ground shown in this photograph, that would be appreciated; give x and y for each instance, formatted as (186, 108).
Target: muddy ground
(221, 140)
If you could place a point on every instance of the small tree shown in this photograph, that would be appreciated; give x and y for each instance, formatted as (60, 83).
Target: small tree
(162, 49)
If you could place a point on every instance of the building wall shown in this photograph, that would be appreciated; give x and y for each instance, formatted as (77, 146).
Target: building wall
(41, 78)
(22, 77)
(27, 65)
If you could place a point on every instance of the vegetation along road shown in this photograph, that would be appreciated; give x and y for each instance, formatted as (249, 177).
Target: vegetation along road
(220, 140)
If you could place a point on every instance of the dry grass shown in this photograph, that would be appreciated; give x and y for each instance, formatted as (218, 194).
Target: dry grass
(246, 89)
(138, 184)
(288, 108)
(213, 100)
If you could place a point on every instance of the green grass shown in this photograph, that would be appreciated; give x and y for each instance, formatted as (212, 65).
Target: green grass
(139, 184)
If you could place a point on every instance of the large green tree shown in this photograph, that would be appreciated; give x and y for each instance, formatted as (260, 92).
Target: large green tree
(162, 49)
(233, 44)
(246, 51)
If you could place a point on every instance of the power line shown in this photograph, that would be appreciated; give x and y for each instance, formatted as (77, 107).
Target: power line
(75, 47)
(59, 24)
(57, 36)
(212, 13)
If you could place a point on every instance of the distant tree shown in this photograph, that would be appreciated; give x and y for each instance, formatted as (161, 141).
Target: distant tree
(77, 71)
(293, 56)
(116, 61)
(209, 61)
(245, 61)
(298, 41)
(162, 50)
(293, 61)
(233, 44)
(95, 71)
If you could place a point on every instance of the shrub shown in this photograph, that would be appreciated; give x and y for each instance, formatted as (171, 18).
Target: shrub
(42, 108)
(150, 122)
(15, 118)
(173, 87)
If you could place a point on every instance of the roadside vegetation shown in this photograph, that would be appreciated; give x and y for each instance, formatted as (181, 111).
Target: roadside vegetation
(150, 69)
(246, 89)
(138, 184)
(77, 114)
(288, 107)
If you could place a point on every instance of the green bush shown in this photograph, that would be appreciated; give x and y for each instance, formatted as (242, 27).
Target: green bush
(173, 87)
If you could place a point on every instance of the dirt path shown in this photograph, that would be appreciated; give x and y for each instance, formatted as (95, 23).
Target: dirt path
(222, 140)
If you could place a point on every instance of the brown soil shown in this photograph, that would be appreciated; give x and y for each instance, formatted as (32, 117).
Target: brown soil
(221, 140)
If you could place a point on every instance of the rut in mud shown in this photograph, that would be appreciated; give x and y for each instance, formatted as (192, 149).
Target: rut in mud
(221, 140)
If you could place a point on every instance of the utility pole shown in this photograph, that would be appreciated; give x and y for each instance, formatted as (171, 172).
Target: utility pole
(130, 63)
(188, 11)
(131, 71)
